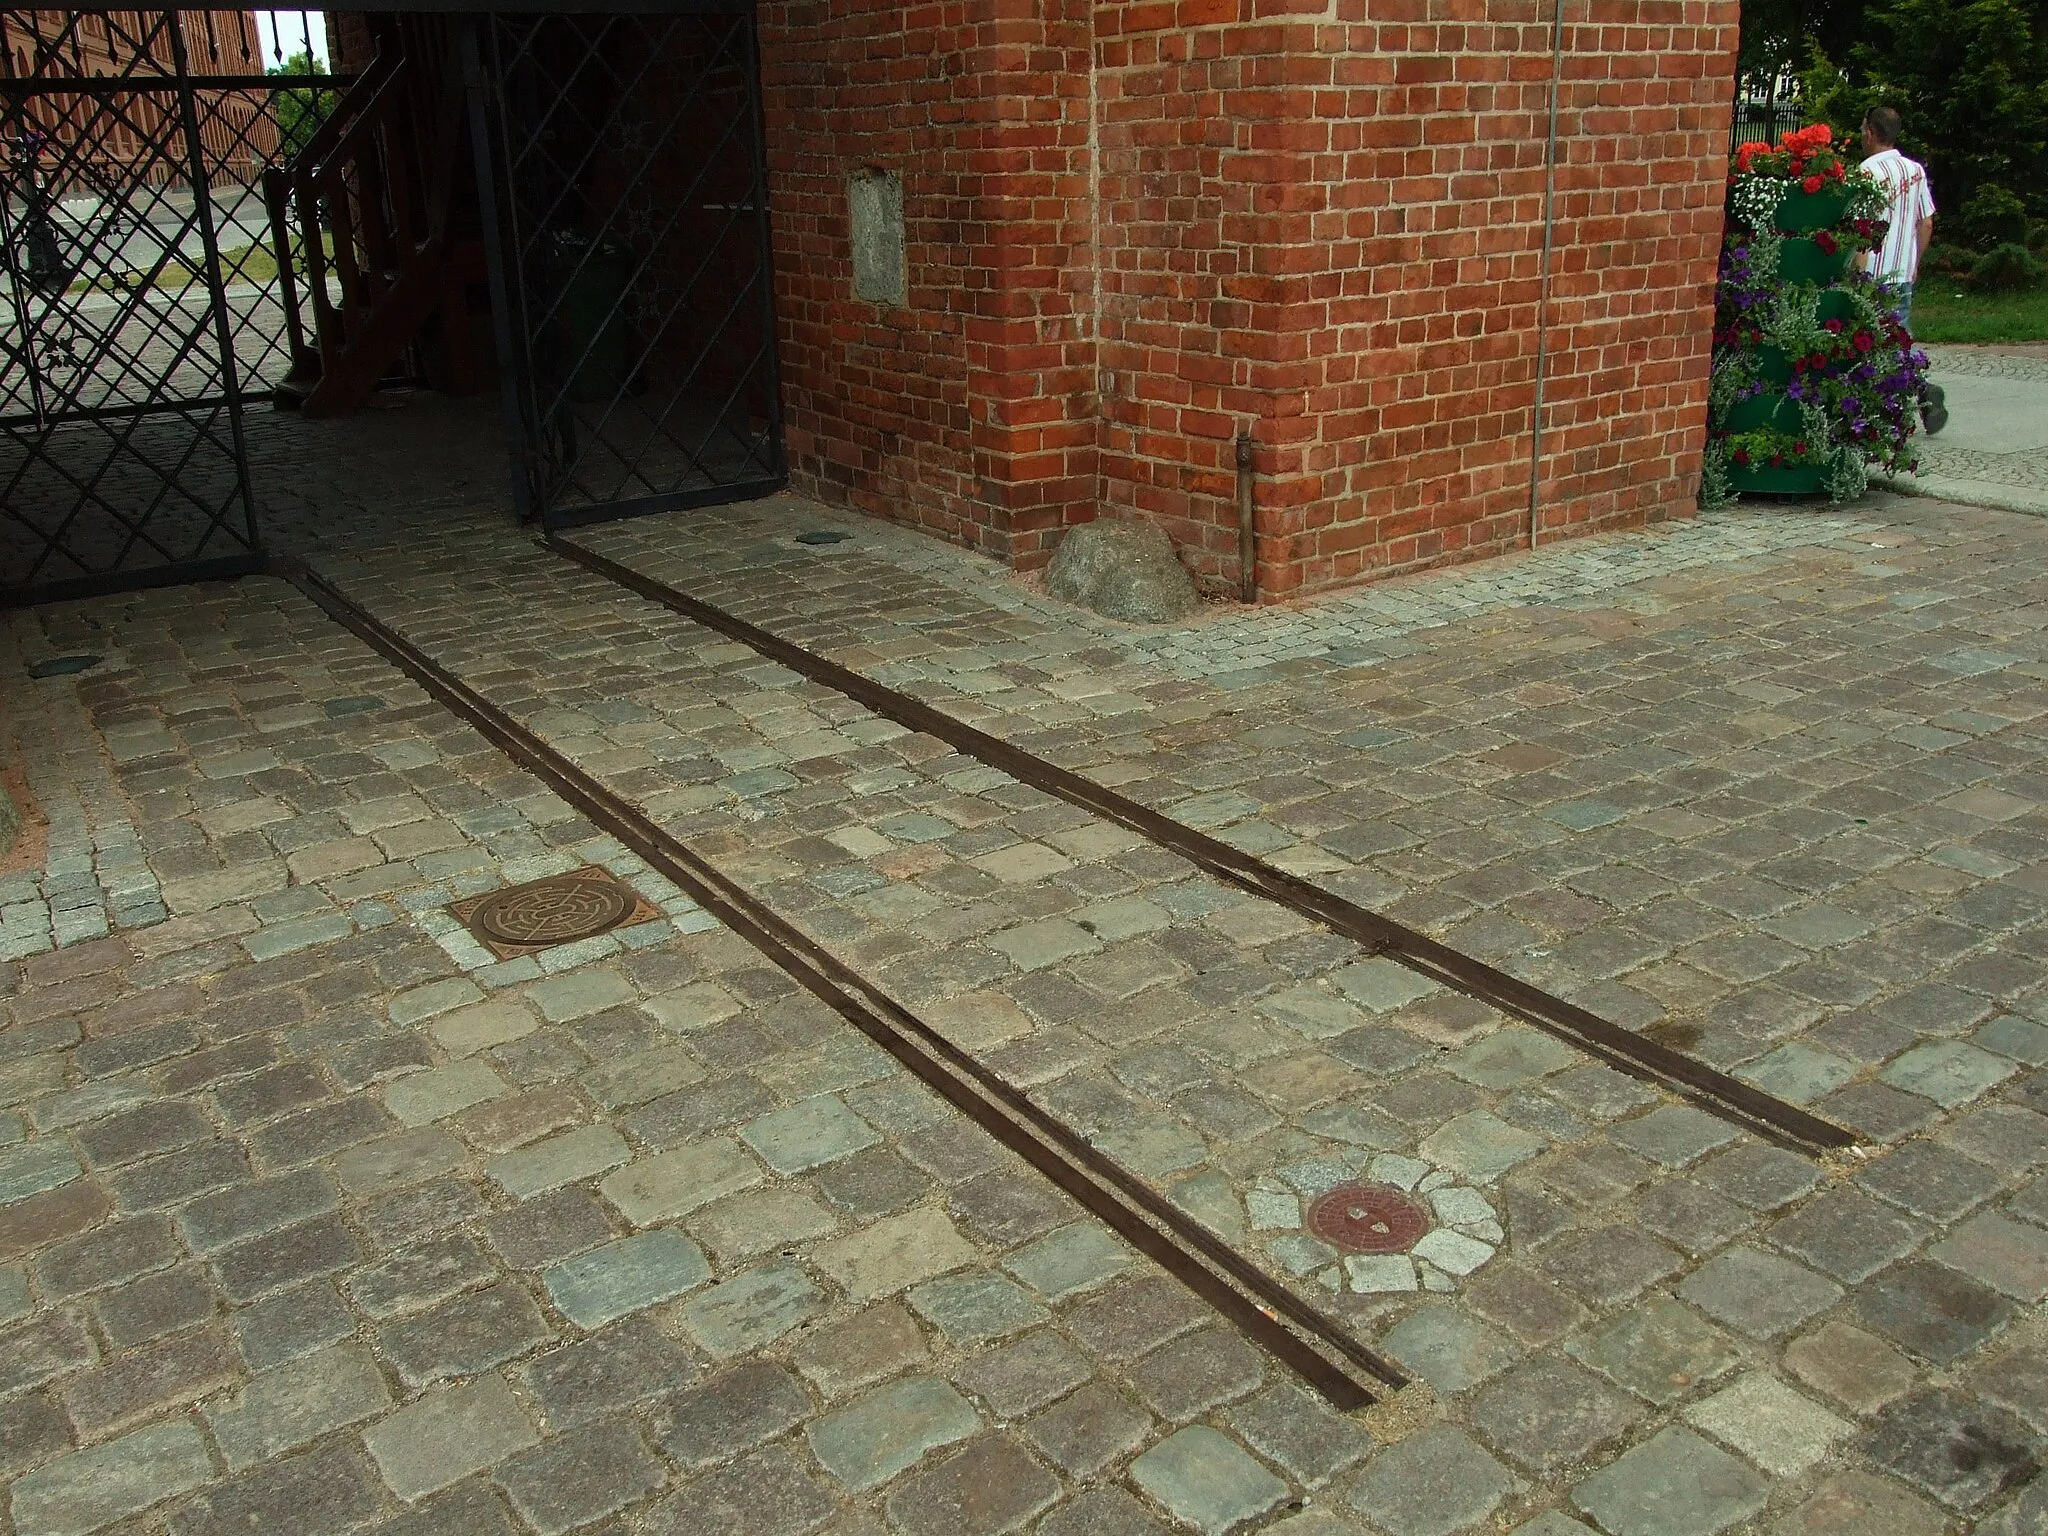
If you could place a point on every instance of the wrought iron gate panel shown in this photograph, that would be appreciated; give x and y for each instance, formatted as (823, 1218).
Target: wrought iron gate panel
(139, 305)
(632, 257)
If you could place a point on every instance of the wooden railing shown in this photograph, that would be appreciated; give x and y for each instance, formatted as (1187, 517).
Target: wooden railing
(371, 197)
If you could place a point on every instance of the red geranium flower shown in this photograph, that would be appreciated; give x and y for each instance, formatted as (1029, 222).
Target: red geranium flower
(1811, 184)
(1800, 449)
(1742, 456)
(1863, 341)
(1824, 240)
(1832, 327)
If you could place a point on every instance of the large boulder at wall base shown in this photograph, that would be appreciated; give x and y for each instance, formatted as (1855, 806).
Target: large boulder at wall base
(1122, 570)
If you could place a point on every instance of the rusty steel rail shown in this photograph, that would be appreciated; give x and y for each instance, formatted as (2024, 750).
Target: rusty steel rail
(1624, 1049)
(1316, 1347)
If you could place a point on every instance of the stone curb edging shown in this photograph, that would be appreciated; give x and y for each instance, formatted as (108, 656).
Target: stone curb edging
(1975, 493)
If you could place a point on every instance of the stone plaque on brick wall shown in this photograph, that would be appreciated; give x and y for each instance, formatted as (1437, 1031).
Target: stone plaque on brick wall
(875, 210)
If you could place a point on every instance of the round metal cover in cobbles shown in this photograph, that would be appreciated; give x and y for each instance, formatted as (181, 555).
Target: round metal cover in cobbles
(558, 910)
(1367, 1218)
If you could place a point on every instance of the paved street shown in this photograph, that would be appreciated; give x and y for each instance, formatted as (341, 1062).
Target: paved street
(317, 1215)
(1994, 451)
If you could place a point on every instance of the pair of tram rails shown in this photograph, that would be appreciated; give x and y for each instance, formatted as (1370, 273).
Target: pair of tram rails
(1317, 1347)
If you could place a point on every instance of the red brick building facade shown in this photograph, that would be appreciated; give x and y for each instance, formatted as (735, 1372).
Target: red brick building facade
(119, 135)
(1135, 227)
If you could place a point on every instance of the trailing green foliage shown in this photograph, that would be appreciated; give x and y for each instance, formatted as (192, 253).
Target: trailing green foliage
(1814, 378)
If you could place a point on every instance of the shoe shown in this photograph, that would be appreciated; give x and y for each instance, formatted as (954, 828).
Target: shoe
(1934, 414)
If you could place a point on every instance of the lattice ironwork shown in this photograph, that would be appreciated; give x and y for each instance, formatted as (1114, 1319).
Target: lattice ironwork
(139, 304)
(631, 223)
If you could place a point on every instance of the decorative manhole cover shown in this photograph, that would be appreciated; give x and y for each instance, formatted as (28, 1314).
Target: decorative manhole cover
(1367, 1218)
(560, 909)
(1372, 1223)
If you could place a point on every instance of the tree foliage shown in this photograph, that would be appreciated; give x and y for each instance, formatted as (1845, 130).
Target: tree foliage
(1970, 80)
(1780, 37)
(301, 109)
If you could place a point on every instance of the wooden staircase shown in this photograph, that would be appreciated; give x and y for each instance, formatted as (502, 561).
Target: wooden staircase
(372, 202)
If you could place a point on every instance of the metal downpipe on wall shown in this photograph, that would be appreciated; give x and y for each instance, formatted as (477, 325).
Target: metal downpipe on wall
(1247, 527)
(1543, 287)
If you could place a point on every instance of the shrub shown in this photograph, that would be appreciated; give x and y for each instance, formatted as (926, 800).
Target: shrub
(1952, 260)
(1993, 217)
(2005, 269)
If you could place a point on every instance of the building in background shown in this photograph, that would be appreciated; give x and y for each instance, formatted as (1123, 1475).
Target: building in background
(123, 133)
(996, 269)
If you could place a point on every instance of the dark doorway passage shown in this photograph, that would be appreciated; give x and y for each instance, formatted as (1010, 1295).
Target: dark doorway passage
(511, 264)
(633, 221)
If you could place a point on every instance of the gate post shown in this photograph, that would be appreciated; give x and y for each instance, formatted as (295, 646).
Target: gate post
(512, 362)
(216, 287)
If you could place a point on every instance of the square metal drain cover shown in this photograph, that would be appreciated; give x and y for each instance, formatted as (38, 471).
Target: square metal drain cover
(560, 909)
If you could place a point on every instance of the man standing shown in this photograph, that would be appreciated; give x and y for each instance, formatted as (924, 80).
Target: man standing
(1910, 210)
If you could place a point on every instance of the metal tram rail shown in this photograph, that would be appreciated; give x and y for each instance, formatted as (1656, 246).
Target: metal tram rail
(1624, 1049)
(1313, 1345)
(1317, 1347)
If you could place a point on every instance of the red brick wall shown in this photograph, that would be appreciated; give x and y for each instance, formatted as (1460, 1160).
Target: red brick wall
(1347, 258)
(969, 411)
(1137, 225)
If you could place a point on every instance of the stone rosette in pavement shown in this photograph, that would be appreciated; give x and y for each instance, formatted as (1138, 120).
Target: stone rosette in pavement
(1455, 1229)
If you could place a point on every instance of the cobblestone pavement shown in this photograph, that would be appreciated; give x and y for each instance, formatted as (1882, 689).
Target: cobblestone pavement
(410, 457)
(314, 1217)
(1994, 452)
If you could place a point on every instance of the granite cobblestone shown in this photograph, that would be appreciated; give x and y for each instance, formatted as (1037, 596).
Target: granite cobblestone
(384, 1224)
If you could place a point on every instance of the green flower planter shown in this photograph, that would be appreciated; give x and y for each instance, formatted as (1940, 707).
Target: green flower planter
(1772, 410)
(1800, 210)
(1792, 480)
(1836, 305)
(1773, 366)
(1803, 261)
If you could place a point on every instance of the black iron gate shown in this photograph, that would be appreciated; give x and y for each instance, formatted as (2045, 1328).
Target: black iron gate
(632, 282)
(138, 293)
(146, 291)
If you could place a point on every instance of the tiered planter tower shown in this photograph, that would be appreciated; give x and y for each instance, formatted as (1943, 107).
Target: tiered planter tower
(1814, 378)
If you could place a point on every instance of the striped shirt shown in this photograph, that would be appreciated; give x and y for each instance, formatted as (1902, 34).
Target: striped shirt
(1910, 200)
